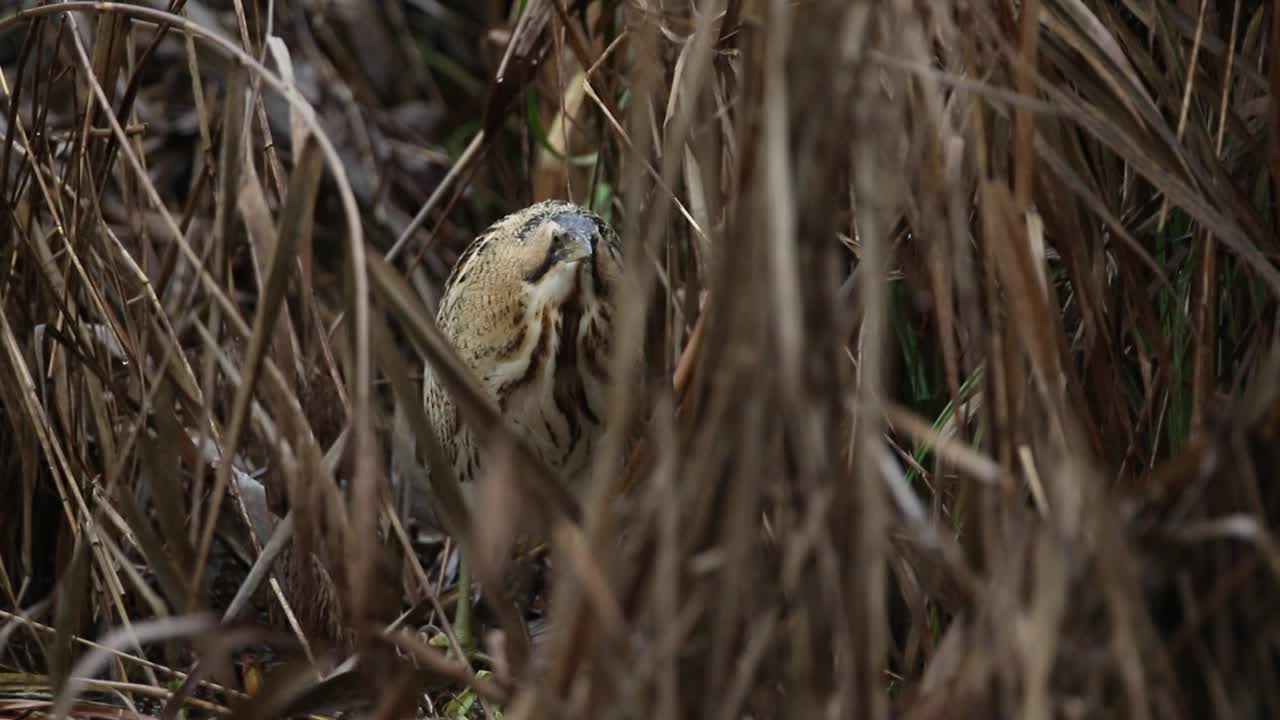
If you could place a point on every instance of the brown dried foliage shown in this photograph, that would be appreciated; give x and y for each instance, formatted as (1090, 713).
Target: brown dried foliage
(962, 318)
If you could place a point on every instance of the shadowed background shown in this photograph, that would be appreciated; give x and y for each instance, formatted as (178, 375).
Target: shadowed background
(959, 321)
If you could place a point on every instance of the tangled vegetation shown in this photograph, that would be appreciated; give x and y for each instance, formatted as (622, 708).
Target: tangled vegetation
(960, 323)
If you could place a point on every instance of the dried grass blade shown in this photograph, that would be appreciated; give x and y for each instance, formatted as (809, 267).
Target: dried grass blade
(147, 631)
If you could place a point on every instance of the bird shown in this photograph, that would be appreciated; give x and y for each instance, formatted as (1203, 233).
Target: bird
(529, 307)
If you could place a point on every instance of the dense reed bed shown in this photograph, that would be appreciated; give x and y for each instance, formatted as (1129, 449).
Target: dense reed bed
(962, 381)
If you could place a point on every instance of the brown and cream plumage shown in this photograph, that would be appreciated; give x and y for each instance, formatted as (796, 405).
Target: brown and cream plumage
(528, 307)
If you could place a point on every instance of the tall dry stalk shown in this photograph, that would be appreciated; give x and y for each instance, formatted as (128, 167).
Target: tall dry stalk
(961, 393)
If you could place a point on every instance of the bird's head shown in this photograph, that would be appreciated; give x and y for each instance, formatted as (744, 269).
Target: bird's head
(547, 253)
(543, 256)
(559, 254)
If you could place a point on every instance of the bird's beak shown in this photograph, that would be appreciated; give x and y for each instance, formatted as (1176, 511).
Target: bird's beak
(573, 246)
